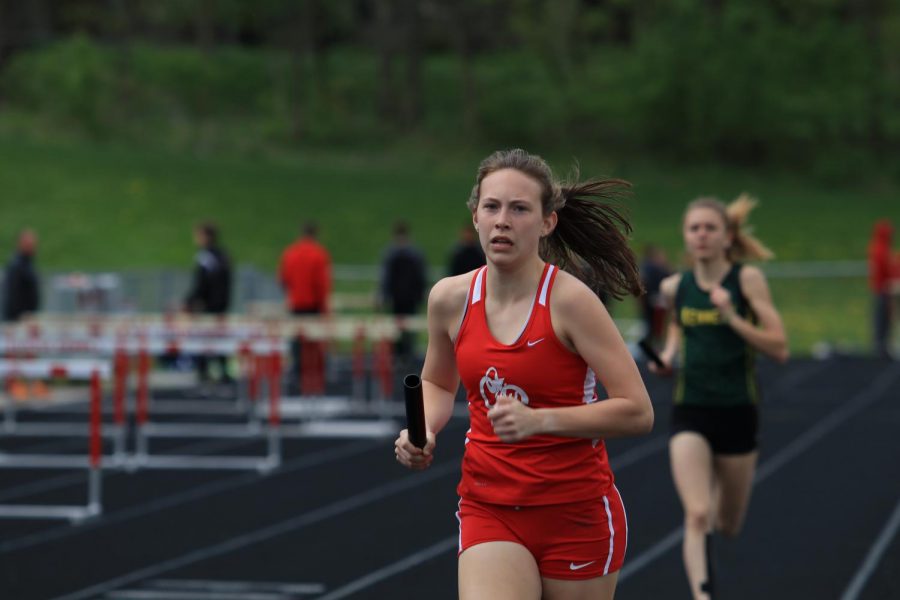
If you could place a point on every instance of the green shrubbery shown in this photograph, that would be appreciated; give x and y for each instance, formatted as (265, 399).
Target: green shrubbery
(798, 86)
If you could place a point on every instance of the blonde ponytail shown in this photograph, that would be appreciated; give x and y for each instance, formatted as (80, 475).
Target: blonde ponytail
(745, 245)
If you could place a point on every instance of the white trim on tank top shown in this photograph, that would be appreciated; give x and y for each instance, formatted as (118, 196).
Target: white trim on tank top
(476, 292)
(476, 297)
(545, 287)
(465, 308)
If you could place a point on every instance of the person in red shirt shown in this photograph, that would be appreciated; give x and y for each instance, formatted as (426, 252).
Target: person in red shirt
(539, 513)
(894, 284)
(305, 276)
(880, 283)
(305, 273)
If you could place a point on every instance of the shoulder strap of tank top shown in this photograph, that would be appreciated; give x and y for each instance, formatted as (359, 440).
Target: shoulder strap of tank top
(473, 296)
(546, 285)
(476, 289)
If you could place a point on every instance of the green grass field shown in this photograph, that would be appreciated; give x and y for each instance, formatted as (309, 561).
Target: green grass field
(104, 206)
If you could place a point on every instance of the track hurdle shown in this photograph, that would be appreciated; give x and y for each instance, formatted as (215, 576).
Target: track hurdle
(14, 427)
(233, 346)
(268, 371)
(312, 365)
(131, 345)
(359, 364)
(314, 414)
(384, 370)
(93, 371)
(370, 372)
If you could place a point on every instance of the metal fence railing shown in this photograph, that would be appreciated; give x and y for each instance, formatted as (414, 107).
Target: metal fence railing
(160, 290)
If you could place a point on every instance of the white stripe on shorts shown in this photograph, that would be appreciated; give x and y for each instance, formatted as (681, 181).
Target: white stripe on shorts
(612, 535)
(459, 520)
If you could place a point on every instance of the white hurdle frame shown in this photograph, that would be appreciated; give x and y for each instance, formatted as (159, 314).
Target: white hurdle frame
(79, 369)
(131, 343)
(140, 346)
(271, 351)
(13, 427)
(217, 335)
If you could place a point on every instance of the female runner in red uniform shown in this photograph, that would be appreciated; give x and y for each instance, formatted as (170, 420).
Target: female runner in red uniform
(539, 515)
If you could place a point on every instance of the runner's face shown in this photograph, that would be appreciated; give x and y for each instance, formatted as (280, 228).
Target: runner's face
(705, 234)
(509, 217)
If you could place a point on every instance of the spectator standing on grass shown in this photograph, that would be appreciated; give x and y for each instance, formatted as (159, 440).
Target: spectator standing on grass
(22, 296)
(305, 275)
(403, 280)
(467, 254)
(21, 287)
(880, 271)
(210, 291)
(895, 292)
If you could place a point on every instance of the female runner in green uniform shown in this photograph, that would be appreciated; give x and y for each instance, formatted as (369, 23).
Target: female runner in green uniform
(723, 316)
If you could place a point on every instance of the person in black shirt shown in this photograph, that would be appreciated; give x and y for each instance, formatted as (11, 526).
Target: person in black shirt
(403, 283)
(210, 291)
(21, 289)
(467, 254)
(654, 268)
(22, 296)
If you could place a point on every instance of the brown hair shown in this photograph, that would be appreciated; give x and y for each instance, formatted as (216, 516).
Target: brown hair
(744, 245)
(210, 232)
(590, 238)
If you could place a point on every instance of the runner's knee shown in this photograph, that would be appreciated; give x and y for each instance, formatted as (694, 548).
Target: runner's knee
(697, 518)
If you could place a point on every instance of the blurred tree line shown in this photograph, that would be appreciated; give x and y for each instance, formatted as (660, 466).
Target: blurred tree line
(811, 83)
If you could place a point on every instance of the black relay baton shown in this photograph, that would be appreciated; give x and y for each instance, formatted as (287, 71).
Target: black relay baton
(651, 354)
(415, 410)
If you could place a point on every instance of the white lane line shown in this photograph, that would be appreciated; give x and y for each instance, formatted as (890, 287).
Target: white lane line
(44, 485)
(638, 453)
(651, 554)
(870, 563)
(794, 378)
(260, 535)
(218, 585)
(192, 595)
(413, 560)
(810, 437)
(60, 481)
(189, 495)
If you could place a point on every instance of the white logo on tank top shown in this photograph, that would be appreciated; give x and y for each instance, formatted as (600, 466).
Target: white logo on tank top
(492, 385)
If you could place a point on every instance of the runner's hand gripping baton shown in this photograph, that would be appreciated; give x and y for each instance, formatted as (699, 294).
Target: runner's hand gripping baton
(415, 410)
(651, 354)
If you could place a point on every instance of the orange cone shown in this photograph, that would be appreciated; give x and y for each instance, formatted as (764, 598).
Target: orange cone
(18, 390)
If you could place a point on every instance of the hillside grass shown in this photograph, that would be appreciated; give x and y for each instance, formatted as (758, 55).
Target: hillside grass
(117, 207)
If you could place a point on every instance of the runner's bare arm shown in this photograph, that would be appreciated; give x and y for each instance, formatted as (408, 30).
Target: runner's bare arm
(440, 378)
(769, 336)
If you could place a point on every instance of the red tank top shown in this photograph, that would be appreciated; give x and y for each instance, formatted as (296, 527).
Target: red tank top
(539, 370)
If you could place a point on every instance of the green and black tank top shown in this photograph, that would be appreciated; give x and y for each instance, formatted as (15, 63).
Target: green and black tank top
(718, 368)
